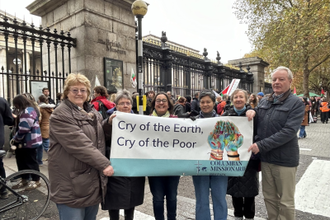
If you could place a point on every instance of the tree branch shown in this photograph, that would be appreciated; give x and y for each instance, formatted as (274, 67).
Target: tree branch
(319, 63)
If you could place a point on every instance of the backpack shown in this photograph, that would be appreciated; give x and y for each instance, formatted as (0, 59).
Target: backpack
(103, 109)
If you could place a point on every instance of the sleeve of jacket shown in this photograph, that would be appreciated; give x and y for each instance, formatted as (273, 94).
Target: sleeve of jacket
(75, 142)
(288, 132)
(7, 115)
(24, 125)
(180, 113)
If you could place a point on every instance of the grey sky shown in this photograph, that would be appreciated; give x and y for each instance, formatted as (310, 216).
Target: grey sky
(196, 24)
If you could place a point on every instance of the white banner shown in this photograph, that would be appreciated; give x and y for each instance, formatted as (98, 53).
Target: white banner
(155, 146)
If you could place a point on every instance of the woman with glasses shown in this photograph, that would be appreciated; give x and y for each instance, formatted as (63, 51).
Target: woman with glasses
(161, 186)
(203, 184)
(77, 165)
(122, 192)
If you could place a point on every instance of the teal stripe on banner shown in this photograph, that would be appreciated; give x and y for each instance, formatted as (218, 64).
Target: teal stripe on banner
(153, 167)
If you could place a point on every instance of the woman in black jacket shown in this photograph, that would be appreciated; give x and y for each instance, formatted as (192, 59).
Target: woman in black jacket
(243, 189)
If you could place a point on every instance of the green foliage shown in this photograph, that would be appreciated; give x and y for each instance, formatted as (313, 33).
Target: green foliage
(292, 33)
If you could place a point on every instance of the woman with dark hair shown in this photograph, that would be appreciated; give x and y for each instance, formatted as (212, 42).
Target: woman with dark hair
(180, 108)
(122, 192)
(203, 184)
(243, 189)
(161, 186)
(100, 98)
(28, 139)
(188, 104)
(304, 123)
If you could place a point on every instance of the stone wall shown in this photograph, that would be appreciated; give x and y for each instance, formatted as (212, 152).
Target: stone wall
(103, 28)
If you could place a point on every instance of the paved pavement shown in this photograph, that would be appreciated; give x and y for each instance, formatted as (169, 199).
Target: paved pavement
(312, 189)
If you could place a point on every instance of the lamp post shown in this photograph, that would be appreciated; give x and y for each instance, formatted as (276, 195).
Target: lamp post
(139, 9)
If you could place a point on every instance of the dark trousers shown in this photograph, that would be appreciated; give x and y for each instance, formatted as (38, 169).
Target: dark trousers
(161, 186)
(114, 214)
(324, 117)
(3, 175)
(244, 206)
(26, 159)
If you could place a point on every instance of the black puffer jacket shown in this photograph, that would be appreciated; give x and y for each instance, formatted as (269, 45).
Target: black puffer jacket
(247, 185)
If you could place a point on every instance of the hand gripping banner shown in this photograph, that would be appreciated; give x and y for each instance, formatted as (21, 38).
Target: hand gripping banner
(155, 146)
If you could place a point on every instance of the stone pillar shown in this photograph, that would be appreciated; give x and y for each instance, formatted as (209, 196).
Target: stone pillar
(103, 29)
(257, 66)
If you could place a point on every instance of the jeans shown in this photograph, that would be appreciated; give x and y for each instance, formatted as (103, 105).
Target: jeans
(86, 213)
(302, 132)
(39, 154)
(218, 186)
(160, 187)
(45, 144)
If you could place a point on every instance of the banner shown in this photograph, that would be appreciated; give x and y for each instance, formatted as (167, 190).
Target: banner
(155, 146)
(233, 86)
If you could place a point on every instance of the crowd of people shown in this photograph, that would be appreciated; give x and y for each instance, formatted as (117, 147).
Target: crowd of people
(76, 134)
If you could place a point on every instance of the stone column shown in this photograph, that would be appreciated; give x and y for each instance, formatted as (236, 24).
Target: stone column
(257, 66)
(102, 28)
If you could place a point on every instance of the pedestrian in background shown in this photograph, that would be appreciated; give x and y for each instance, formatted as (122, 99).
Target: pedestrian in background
(243, 189)
(163, 186)
(260, 95)
(217, 185)
(253, 101)
(76, 163)
(305, 122)
(6, 118)
(324, 108)
(122, 192)
(278, 119)
(45, 91)
(27, 139)
(180, 108)
(195, 108)
(46, 110)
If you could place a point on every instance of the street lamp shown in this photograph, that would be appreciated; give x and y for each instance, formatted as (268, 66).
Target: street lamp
(139, 9)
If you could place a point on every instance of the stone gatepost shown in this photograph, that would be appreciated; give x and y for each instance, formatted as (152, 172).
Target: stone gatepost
(103, 29)
(257, 66)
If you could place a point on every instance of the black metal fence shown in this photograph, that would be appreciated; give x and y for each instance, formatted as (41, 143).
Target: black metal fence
(31, 68)
(166, 69)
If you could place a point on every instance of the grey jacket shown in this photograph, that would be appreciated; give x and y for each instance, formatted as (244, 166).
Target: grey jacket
(277, 127)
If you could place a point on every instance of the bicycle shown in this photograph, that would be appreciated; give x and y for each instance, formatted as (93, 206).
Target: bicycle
(20, 203)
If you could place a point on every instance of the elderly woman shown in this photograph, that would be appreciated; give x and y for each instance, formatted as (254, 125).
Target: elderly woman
(161, 186)
(203, 184)
(77, 165)
(28, 139)
(123, 192)
(243, 189)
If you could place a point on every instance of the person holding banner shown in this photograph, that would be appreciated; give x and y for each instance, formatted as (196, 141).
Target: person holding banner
(203, 184)
(122, 192)
(278, 119)
(161, 186)
(243, 189)
(77, 165)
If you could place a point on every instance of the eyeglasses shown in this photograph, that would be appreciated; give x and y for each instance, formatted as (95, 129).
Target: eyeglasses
(76, 91)
(161, 100)
(124, 103)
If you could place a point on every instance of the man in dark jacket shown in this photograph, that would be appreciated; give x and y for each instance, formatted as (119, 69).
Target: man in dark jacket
(6, 118)
(278, 119)
(45, 91)
(195, 108)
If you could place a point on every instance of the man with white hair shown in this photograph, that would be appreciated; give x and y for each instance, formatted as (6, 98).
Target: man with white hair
(278, 119)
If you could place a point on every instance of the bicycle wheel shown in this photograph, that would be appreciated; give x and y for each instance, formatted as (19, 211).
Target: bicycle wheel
(34, 202)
